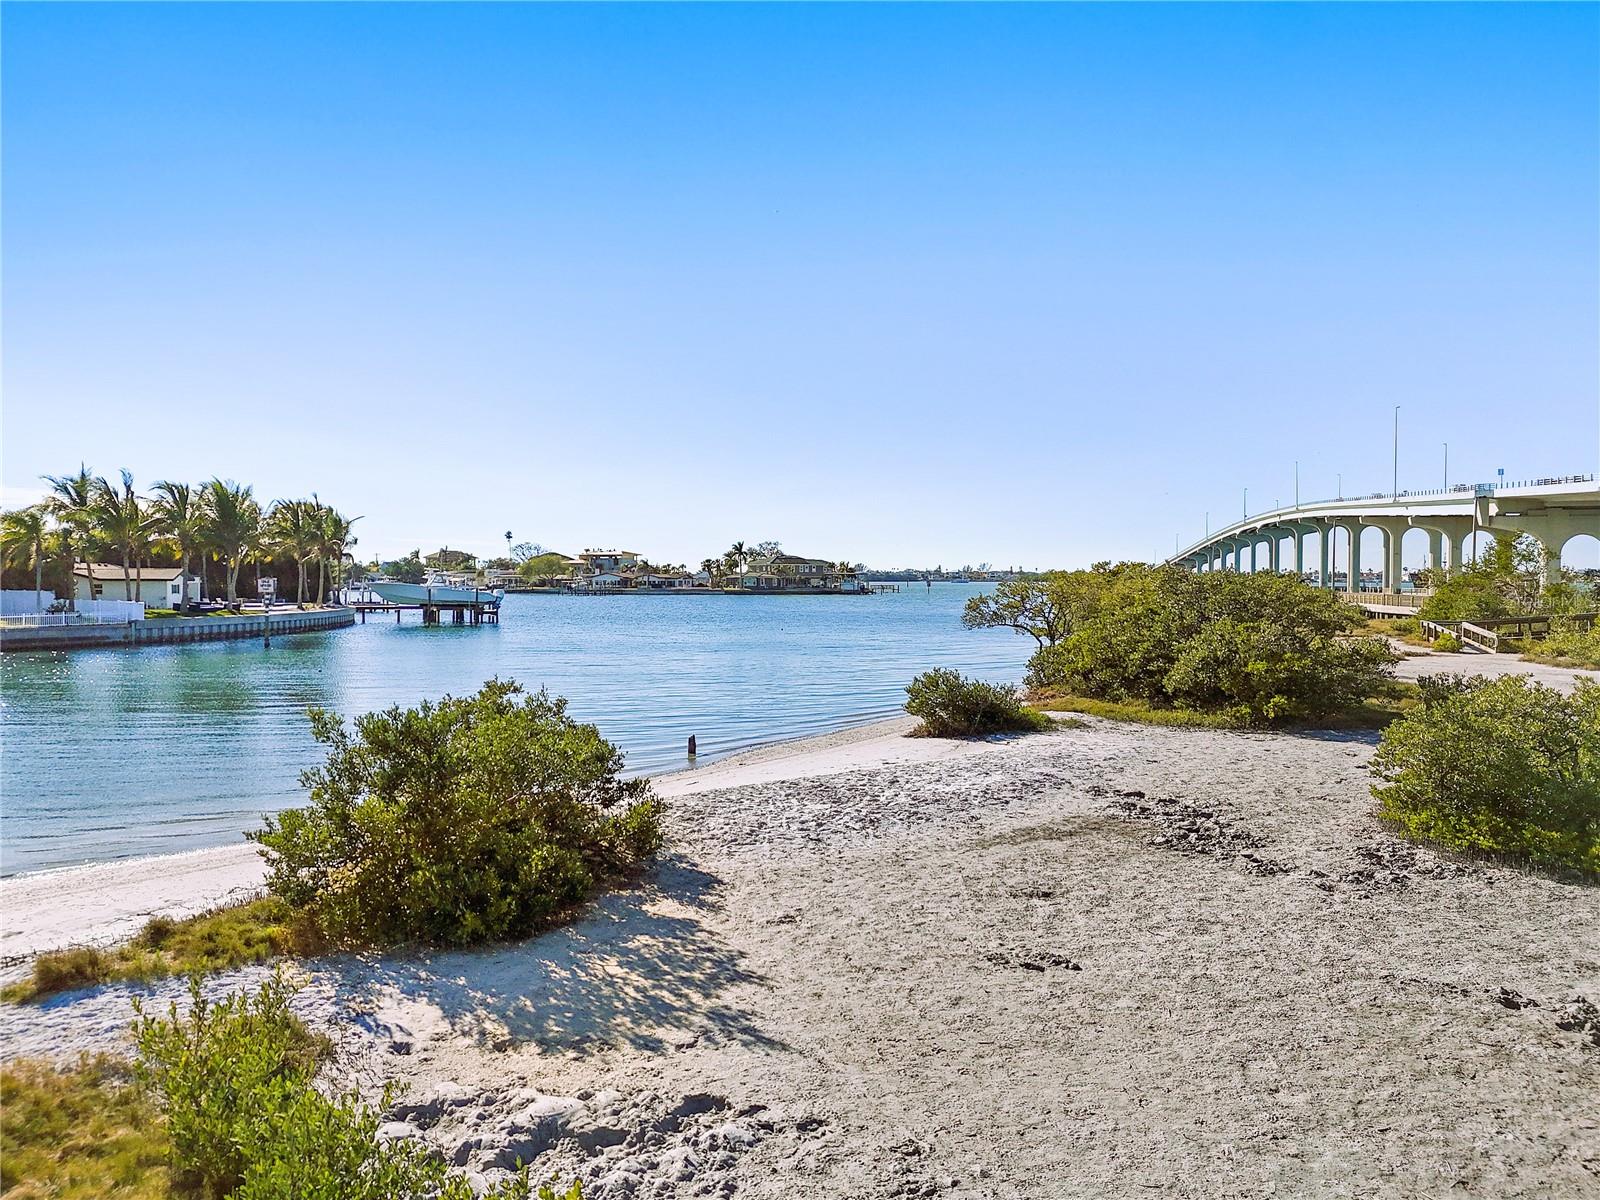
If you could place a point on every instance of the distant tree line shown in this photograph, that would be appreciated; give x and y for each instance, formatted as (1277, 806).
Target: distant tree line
(210, 531)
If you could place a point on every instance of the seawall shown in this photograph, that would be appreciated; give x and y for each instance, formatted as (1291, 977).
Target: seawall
(167, 630)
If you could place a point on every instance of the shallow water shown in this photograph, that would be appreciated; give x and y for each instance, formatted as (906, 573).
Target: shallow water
(114, 753)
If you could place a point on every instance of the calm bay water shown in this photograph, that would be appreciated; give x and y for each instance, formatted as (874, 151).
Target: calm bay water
(116, 753)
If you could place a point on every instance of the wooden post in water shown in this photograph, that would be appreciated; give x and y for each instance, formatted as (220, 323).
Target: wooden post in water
(266, 627)
(691, 746)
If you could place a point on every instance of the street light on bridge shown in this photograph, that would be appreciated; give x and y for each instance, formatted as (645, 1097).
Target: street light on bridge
(1395, 495)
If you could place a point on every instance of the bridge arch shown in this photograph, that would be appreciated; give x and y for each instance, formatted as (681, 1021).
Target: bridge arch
(1416, 550)
(1581, 552)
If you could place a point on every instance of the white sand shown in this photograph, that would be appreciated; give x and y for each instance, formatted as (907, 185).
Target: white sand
(1107, 961)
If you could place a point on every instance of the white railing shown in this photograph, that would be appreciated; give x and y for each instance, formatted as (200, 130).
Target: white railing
(86, 612)
(35, 620)
(1287, 514)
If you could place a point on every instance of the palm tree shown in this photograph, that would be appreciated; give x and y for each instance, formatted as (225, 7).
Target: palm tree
(333, 537)
(738, 552)
(71, 502)
(232, 528)
(177, 516)
(25, 539)
(121, 519)
(292, 528)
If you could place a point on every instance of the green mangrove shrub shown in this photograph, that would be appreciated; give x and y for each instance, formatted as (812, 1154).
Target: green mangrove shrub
(951, 705)
(1267, 649)
(468, 820)
(1509, 578)
(1502, 766)
(233, 1080)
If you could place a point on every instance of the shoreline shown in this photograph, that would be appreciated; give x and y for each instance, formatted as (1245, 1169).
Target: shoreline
(940, 977)
(103, 902)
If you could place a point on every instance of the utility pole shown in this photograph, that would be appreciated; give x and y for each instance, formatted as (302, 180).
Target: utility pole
(1447, 466)
(1297, 483)
(1247, 504)
(1341, 485)
(1396, 493)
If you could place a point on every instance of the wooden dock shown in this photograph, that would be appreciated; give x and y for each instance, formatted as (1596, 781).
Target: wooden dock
(484, 612)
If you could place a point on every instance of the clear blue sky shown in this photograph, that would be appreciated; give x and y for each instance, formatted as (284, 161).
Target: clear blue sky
(904, 284)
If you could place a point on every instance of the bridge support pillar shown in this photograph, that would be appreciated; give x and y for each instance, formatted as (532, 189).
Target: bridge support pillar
(1447, 540)
(1394, 532)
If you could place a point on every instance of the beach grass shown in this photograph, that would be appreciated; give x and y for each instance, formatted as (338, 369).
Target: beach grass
(1376, 712)
(234, 935)
(80, 1133)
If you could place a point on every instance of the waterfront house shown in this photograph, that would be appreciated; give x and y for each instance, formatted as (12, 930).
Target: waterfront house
(659, 580)
(155, 587)
(780, 572)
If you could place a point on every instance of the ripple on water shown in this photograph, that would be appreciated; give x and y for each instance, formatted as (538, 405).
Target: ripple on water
(113, 753)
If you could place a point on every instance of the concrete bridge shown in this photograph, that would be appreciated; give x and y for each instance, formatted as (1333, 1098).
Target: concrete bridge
(1553, 511)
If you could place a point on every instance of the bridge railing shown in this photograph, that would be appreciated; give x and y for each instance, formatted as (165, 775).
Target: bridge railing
(1455, 490)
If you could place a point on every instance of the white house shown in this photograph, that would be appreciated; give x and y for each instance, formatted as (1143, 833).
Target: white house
(156, 587)
(601, 579)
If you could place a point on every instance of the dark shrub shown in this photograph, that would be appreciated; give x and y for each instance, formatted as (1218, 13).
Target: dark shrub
(953, 706)
(1504, 766)
(469, 820)
(1267, 648)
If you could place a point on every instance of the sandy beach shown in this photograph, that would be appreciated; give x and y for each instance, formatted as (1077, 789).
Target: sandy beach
(1108, 960)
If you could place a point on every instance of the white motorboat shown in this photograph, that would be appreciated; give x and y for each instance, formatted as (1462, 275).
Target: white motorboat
(442, 594)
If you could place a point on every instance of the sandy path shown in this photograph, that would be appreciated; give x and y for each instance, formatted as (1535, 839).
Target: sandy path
(1432, 662)
(992, 975)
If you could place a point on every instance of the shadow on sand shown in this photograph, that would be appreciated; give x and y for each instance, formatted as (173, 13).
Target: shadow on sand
(638, 969)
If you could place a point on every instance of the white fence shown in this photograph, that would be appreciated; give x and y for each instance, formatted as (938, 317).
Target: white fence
(89, 612)
(14, 601)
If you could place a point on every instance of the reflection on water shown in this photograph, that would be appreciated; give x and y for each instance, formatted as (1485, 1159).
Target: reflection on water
(113, 753)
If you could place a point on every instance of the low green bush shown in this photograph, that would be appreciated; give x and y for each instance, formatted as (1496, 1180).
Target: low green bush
(470, 820)
(1569, 646)
(233, 1082)
(1447, 642)
(1501, 766)
(950, 705)
(1266, 649)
